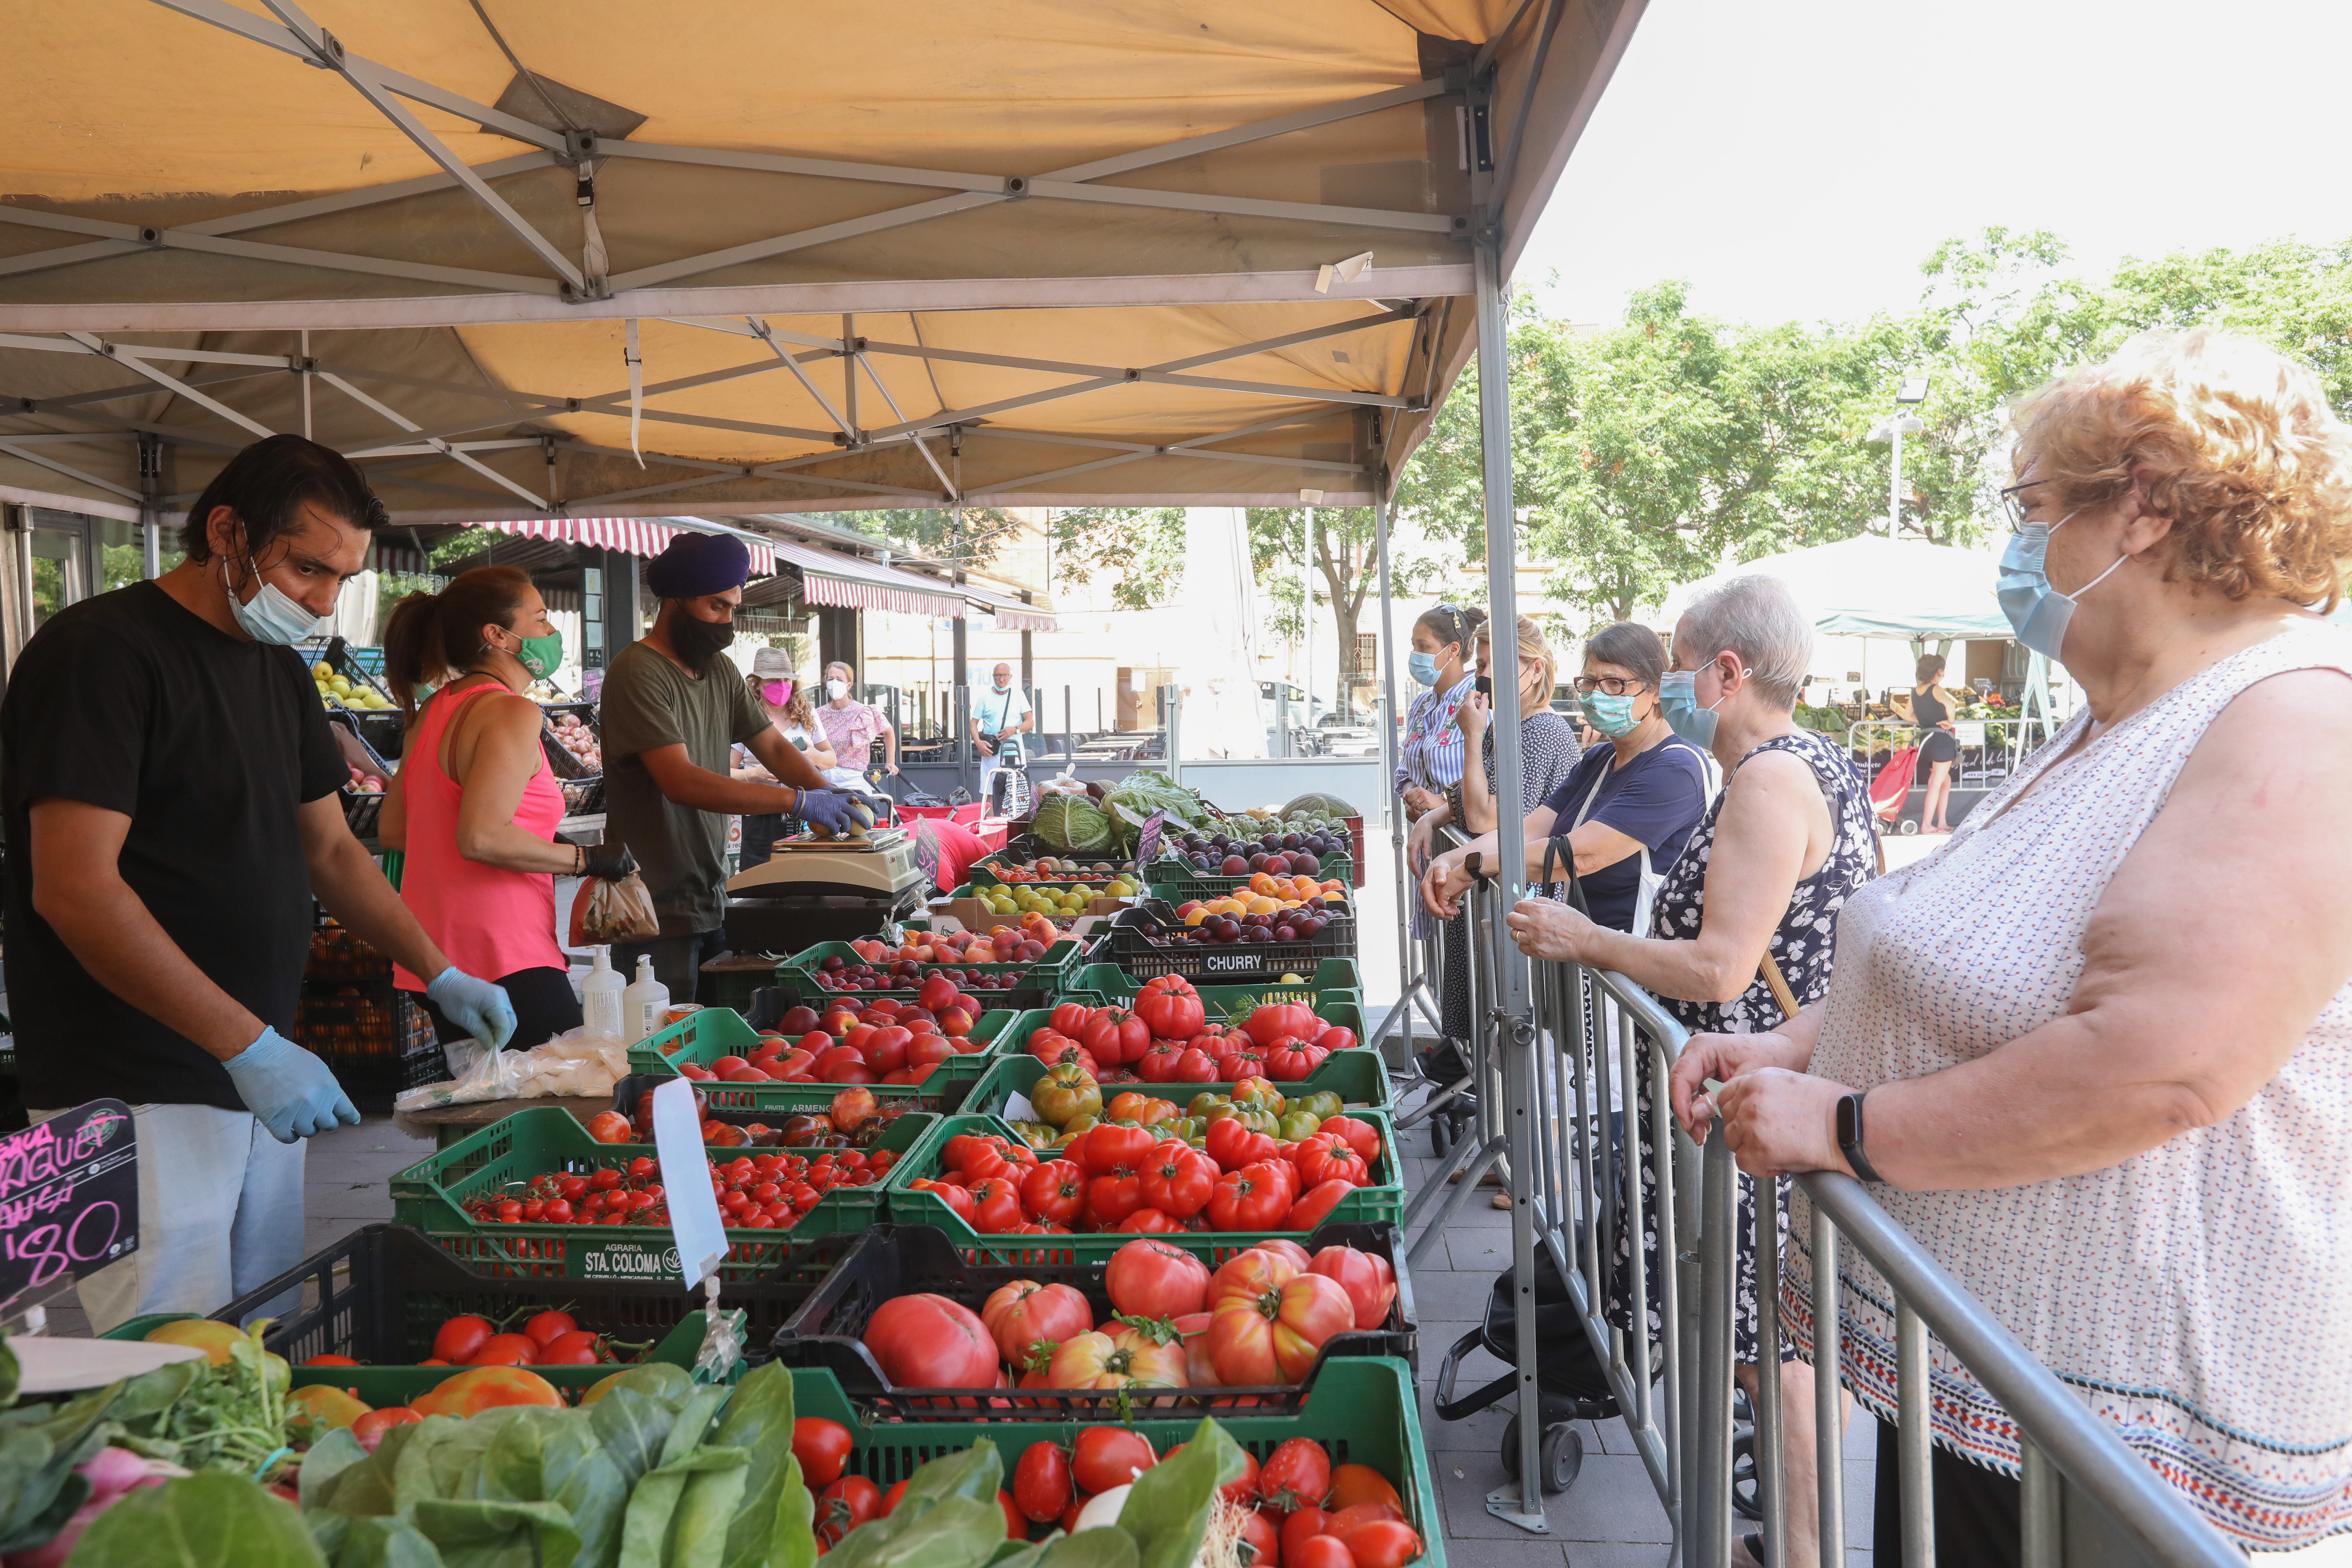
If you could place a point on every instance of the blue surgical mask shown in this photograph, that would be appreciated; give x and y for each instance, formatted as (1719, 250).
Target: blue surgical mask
(1423, 667)
(1612, 716)
(2038, 612)
(272, 615)
(1678, 701)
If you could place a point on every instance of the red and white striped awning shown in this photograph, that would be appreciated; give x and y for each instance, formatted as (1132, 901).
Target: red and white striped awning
(844, 582)
(629, 535)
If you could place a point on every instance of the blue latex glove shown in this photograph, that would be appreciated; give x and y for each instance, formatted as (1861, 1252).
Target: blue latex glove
(836, 809)
(293, 1093)
(478, 1007)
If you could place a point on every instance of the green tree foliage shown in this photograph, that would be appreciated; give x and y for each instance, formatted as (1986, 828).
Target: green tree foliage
(1140, 549)
(937, 533)
(1344, 558)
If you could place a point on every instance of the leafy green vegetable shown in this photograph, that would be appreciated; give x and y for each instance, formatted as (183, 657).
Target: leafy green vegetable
(324, 1465)
(632, 1426)
(1072, 823)
(376, 1543)
(1168, 1513)
(200, 1522)
(776, 1506)
(482, 1533)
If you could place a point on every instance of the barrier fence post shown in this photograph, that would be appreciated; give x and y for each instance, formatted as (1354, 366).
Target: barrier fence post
(1771, 1477)
(1828, 1456)
(1913, 1427)
(1718, 1270)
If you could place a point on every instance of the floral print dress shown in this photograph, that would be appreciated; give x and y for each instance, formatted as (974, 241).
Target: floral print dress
(1804, 946)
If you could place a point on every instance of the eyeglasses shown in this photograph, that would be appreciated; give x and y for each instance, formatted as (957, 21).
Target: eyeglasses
(1615, 686)
(2015, 505)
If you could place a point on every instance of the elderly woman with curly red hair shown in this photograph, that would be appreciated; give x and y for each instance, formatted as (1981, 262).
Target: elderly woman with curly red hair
(2095, 1053)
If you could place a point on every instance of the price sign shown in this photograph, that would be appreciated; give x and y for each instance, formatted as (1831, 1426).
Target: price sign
(69, 1197)
(1146, 840)
(694, 1221)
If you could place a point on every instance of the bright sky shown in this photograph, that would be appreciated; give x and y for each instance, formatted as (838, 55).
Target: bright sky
(1798, 158)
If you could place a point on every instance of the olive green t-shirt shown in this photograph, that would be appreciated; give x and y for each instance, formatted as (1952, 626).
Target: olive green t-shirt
(648, 703)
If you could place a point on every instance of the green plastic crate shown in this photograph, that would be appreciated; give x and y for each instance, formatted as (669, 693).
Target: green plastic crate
(431, 1196)
(1365, 1410)
(1177, 880)
(1358, 1077)
(1335, 992)
(1046, 973)
(702, 1037)
(1382, 1201)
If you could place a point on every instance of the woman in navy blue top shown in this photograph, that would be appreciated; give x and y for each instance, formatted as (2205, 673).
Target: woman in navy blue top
(1627, 810)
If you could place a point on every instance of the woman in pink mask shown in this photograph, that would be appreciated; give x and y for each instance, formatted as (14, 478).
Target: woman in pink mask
(771, 681)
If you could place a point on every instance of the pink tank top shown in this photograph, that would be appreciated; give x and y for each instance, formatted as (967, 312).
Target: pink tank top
(490, 922)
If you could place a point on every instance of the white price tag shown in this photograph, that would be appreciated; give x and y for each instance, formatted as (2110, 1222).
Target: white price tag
(1018, 1109)
(694, 1219)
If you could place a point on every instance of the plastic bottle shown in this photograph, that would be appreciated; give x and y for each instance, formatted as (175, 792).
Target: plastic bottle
(601, 992)
(645, 1005)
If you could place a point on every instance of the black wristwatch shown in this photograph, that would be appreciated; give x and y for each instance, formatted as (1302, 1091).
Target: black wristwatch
(1849, 1138)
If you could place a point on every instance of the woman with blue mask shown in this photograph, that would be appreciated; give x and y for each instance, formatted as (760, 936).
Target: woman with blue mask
(1429, 762)
(1778, 851)
(2094, 1053)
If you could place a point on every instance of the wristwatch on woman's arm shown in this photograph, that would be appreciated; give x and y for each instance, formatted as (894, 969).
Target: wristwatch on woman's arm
(1849, 1138)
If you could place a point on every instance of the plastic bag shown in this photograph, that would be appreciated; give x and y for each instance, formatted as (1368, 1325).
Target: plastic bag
(613, 911)
(576, 1064)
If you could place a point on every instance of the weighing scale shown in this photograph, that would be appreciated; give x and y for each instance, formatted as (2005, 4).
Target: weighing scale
(812, 890)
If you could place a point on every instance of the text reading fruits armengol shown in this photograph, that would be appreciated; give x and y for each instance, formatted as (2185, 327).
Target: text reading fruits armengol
(69, 1197)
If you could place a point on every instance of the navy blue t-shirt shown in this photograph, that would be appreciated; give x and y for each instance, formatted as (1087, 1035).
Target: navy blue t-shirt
(1657, 798)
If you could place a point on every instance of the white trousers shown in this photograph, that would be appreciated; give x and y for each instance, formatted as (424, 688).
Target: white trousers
(220, 1213)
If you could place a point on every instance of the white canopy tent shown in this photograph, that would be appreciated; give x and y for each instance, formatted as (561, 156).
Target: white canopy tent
(1874, 588)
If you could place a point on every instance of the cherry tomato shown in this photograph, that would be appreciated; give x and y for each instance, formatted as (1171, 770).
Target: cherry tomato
(1107, 1457)
(578, 1348)
(1016, 1527)
(1265, 1546)
(1321, 1552)
(845, 1505)
(505, 1350)
(1303, 1524)
(371, 1427)
(1297, 1475)
(545, 1327)
(823, 1448)
(461, 1337)
(1381, 1543)
(1041, 1482)
(331, 1361)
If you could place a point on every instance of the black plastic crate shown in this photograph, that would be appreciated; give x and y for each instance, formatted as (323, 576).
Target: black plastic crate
(363, 811)
(1130, 946)
(381, 1293)
(374, 1037)
(893, 1260)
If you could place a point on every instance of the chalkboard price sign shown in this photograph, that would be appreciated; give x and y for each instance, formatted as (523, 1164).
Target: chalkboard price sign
(1146, 840)
(69, 1197)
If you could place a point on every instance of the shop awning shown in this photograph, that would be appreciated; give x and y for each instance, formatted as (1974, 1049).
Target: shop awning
(844, 582)
(531, 257)
(1012, 614)
(630, 535)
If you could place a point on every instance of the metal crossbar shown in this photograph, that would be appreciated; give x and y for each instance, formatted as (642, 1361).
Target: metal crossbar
(1565, 1128)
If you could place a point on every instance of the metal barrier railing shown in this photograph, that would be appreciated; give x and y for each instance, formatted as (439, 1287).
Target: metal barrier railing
(1560, 1096)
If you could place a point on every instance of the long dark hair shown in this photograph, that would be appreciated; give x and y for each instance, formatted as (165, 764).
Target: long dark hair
(1454, 624)
(265, 486)
(432, 636)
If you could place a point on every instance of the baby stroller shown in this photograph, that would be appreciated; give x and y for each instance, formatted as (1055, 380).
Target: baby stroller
(1570, 1387)
(1891, 790)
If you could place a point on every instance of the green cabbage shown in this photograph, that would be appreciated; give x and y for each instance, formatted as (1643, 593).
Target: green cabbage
(1134, 798)
(1072, 823)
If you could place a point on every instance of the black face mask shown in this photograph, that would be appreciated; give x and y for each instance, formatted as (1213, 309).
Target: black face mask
(1485, 686)
(698, 641)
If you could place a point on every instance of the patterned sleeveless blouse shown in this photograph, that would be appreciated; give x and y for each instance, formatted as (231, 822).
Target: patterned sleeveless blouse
(2194, 1295)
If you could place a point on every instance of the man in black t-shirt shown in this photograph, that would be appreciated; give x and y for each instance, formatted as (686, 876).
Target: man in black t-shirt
(169, 784)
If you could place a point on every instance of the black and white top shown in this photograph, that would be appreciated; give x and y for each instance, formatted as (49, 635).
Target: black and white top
(1547, 754)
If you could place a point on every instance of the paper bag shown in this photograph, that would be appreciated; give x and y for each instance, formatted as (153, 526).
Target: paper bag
(607, 912)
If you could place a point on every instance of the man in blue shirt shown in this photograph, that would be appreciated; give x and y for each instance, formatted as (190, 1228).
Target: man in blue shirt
(999, 712)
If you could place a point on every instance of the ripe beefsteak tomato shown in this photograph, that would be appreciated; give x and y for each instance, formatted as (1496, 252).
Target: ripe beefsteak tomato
(1283, 1020)
(1178, 1180)
(1025, 1312)
(1368, 1280)
(1153, 1279)
(929, 1341)
(1170, 1009)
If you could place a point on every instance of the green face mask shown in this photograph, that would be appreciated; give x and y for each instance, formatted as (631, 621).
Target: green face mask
(540, 655)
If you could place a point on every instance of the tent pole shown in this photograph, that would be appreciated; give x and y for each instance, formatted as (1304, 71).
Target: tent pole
(1407, 981)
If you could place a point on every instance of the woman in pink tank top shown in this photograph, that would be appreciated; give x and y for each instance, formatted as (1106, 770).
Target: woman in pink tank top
(475, 806)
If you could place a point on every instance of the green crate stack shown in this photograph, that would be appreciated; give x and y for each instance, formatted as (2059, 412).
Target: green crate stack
(1365, 1411)
(1046, 973)
(1382, 1201)
(1175, 879)
(1335, 992)
(431, 1196)
(1358, 1077)
(705, 1036)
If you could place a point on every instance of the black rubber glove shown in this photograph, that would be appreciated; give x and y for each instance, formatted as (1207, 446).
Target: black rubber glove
(607, 862)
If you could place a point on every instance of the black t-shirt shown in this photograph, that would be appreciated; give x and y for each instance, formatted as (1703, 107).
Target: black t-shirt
(209, 744)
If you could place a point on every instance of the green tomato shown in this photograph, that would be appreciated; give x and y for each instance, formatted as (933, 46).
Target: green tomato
(1297, 1125)
(1322, 1103)
(1066, 1093)
(1204, 1104)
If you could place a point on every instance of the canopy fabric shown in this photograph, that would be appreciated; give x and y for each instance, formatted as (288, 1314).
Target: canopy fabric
(630, 536)
(850, 257)
(844, 582)
(1873, 588)
(1010, 614)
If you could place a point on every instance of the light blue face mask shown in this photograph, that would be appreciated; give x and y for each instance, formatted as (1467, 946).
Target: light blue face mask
(272, 617)
(2038, 612)
(1423, 667)
(1678, 701)
(1612, 716)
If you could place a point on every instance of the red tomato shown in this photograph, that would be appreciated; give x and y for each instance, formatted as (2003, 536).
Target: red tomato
(1361, 1136)
(823, 1448)
(1252, 1198)
(891, 1498)
(1106, 1149)
(1069, 1017)
(1178, 1180)
(611, 1127)
(1383, 1543)
(1153, 1279)
(1150, 1222)
(1344, 1520)
(996, 1205)
(1266, 1546)
(1352, 1484)
(1321, 1552)
(459, 1337)
(578, 1348)
(331, 1361)
(955, 1197)
(546, 1326)
(1303, 1525)
(844, 1506)
(1107, 1457)
(1232, 1145)
(1055, 1190)
(929, 1341)
(1041, 1482)
(1368, 1280)
(1112, 1198)
(1319, 1163)
(1193, 1067)
(371, 1427)
(481, 1388)
(1287, 1060)
(1169, 1008)
(1297, 1475)
(1025, 1312)
(1311, 1211)
(505, 1350)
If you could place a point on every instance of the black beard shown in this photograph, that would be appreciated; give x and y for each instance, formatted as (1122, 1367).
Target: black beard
(698, 641)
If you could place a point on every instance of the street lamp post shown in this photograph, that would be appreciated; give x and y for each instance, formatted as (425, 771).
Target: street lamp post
(1892, 430)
